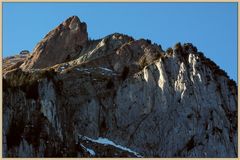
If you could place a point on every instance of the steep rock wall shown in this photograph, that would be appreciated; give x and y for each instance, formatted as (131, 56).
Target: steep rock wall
(176, 103)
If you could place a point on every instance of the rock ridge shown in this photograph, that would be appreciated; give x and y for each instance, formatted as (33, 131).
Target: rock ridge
(125, 97)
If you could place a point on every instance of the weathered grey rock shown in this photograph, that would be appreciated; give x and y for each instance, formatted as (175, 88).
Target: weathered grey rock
(174, 104)
(24, 52)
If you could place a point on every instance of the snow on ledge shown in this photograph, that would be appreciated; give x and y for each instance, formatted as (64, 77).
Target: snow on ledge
(106, 69)
(106, 141)
(92, 153)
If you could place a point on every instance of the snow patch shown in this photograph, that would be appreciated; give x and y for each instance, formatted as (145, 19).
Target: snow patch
(101, 70)
(92, 153)
(106, 69)
(83, 70)
(62, 68)
(106, 141)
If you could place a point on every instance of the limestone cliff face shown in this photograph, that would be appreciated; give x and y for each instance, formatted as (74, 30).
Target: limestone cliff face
(117, 97)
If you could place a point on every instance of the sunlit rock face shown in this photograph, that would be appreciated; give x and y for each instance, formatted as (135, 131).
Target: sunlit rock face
(116, 97)
(61, 44)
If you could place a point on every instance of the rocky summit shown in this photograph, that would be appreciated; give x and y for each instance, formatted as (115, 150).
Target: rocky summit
(116, 97)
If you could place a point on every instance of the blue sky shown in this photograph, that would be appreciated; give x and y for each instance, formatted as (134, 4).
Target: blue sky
(212, 27)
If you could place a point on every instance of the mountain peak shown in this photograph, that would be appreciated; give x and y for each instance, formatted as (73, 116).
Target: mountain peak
(72, 22)
(116, 97)
(62, 43)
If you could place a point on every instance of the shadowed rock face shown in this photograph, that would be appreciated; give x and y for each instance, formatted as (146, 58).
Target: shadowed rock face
(69, 37)
(144, 101)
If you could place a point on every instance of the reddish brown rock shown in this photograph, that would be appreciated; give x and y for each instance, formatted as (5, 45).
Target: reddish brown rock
(60, 45)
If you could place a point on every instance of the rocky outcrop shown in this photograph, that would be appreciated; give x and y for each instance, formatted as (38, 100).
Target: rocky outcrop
(69, 37)
(14, 62)
(143, 101)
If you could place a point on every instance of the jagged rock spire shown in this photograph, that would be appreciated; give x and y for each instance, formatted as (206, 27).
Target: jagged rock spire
(59, 45)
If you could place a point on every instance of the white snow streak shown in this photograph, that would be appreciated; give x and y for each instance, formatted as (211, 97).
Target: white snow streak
(89, 150)
(106, 69)
(106, 141)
